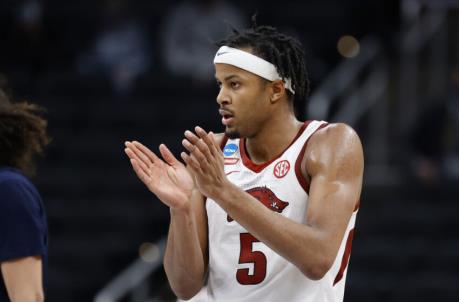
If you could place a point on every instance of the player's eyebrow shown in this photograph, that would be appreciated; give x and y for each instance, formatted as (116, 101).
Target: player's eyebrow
(228, 77)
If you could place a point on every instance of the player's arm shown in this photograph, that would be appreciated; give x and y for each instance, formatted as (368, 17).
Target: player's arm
(186, 256)
(23, 279)
(334, 162)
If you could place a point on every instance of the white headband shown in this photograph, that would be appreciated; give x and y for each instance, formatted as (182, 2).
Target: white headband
(251, 63)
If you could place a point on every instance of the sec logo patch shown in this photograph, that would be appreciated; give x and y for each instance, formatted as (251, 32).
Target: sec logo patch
(281, 168)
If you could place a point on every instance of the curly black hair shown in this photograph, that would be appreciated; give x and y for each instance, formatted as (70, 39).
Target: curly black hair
(22, 134)
(284, 52)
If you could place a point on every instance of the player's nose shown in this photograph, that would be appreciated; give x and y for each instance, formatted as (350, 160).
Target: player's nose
(222, 97)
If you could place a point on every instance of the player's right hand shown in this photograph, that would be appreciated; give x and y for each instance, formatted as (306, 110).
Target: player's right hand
(169, 180)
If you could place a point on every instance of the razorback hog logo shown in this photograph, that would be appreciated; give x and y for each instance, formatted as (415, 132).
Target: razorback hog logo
(266, 197)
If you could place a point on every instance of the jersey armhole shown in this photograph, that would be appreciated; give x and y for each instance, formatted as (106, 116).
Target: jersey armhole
(299, 175)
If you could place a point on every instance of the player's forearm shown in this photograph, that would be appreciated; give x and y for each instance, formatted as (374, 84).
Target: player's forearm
(306, 247)
(27, 295)
(183, 262)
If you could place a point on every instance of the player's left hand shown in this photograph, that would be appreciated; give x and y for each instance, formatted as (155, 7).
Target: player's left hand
(206, 161)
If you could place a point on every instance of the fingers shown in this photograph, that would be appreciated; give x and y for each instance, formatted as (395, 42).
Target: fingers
(195, 152)
(137, 154)
(214, 141)
(134, 157)
(207, 139)
(203, 142)
(217, 151)
(202, 147)
(146, 151)
(191, 162)
(168, 156)
(139, 171)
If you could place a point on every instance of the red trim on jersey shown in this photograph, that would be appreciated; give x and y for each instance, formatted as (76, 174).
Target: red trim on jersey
(257, 168)
(228, 161)
(299, 175)
(228, 173)
(357, 206)
(345, 260)
(223, 143)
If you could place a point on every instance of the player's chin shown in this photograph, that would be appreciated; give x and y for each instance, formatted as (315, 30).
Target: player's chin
(232, 133)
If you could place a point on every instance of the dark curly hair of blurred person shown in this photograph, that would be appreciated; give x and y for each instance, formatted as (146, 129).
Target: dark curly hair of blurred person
(23, 134)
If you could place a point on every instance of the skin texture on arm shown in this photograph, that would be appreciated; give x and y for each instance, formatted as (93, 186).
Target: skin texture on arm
(186, 255)
(23, 279)
(333, 161)
(170, 181)
(185, 259)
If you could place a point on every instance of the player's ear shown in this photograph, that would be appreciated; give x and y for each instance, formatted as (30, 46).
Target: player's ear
(277, 90)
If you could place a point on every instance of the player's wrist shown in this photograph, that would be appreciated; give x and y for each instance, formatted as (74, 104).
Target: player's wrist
(182, 210)
(183, 206)
(222, 192)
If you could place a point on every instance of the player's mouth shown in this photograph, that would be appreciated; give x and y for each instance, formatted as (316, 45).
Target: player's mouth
(227, 117)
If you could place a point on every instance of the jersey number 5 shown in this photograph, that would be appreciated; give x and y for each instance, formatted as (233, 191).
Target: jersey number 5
(248, 256)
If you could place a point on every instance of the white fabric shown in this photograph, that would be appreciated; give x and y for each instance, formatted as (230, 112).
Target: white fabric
(283, 280)
(251, 63)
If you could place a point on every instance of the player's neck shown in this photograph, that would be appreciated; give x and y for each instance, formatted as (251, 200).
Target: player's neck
(273, 139)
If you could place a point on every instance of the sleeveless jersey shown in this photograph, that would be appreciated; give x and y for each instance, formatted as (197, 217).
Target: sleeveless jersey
(241, 268)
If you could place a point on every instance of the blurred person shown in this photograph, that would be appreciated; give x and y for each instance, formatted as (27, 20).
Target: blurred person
(23, 226)
(435, 137)
(29, 17)
(428, 141)
(28, 51)
(121, 49)
(188, 32)
(451, 163)
(266, 210)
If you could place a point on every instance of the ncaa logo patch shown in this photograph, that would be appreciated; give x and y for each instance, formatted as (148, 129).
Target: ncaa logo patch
(281, 168)
(230, 149)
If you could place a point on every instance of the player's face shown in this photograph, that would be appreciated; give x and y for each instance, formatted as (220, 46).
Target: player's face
(243, 100)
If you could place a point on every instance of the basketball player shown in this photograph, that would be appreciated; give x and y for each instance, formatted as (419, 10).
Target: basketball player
(23, 227)
(265, 211)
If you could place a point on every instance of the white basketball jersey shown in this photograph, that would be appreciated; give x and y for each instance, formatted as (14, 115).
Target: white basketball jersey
(243, 269)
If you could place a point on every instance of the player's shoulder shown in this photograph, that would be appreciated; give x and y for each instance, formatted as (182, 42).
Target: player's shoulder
(333, 146)
(334, 135)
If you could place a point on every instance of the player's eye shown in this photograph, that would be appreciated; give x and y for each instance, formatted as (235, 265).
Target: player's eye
(235, 85)
(219, 84)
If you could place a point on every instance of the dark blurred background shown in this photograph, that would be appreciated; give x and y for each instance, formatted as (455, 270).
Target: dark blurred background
(111, 71)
